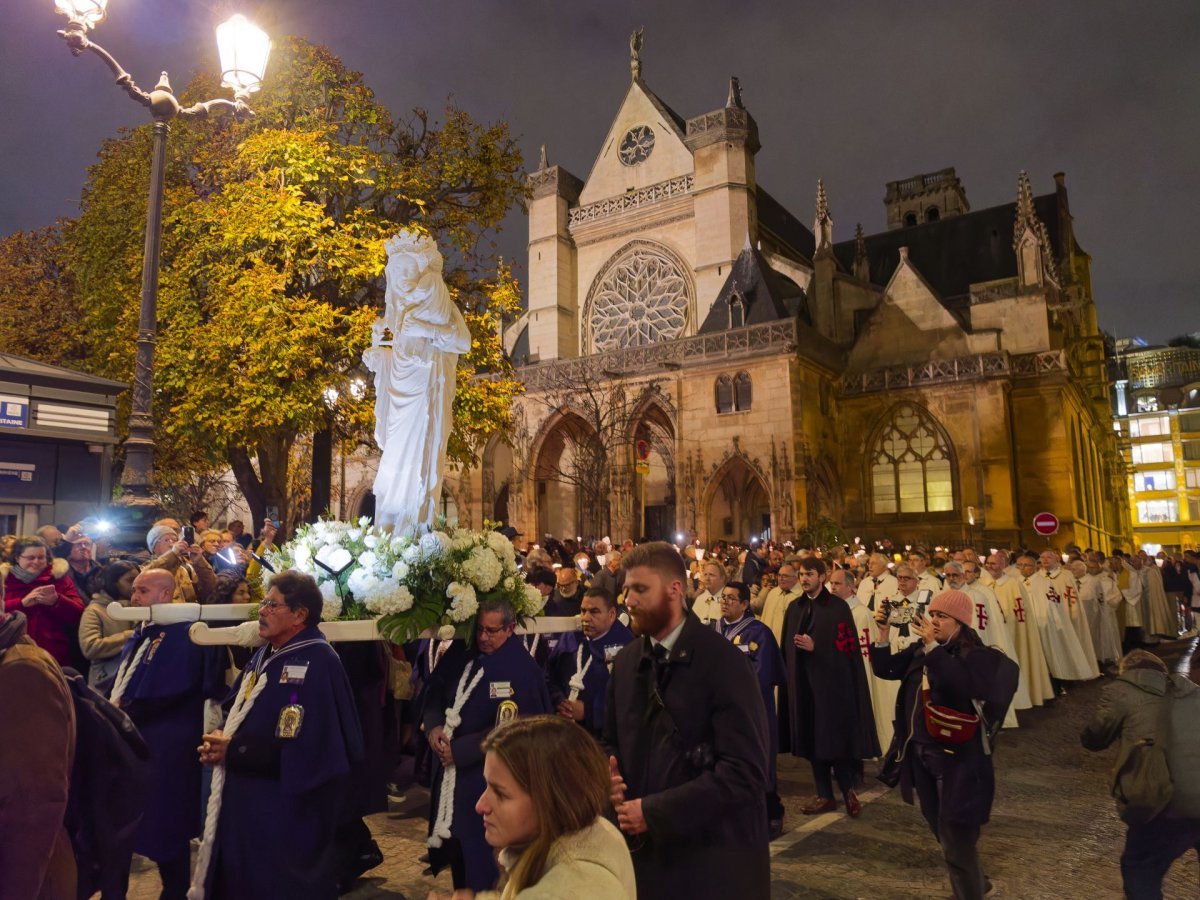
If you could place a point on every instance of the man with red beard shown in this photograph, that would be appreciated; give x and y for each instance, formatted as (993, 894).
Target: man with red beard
(688, 733)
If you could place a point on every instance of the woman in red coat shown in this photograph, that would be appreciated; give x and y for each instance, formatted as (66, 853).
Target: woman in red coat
(46, 595)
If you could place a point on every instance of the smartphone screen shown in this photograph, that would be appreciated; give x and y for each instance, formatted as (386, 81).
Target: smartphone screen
(188, 534)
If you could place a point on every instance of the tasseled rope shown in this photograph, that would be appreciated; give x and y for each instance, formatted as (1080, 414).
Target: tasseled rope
(533, 645)
(581, 670)
(445, 813)
(239, 711)
(125, 672)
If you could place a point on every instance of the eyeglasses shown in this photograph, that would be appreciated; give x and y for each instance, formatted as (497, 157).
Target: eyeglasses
(271, 605)
(25, 557)
(492, 632)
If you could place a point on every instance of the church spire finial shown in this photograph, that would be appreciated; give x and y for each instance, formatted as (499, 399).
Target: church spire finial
(823, 226)
(862, 265)
(1024, 196)
(635, 53)
(543, 162)
(735, 94)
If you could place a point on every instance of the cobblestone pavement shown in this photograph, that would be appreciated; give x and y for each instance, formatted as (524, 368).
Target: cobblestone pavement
(1053, 833)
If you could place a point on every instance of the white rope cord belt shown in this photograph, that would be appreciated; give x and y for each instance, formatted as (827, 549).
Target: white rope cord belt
(581, 670)
(125, 672)
(239, 711)
(445, 813)
(533, 645)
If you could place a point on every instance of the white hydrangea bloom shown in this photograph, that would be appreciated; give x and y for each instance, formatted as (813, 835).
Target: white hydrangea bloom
(445, 633)
(387, 597)
(482, 568)
(332, 607)
(534, 601)
(411, 554)
(463, 603)
(302, 555)
(462, 540)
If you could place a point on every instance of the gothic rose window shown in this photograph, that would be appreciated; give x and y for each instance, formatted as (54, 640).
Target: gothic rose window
(641, 299)
(911, 470)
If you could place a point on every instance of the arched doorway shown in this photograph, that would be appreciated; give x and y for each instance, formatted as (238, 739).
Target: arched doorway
(572, 478)
(498, 474)
(654, 445)
(366, 506)
(737, 504)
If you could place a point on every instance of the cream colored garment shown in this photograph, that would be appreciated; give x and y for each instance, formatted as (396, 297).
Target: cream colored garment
(592, 864)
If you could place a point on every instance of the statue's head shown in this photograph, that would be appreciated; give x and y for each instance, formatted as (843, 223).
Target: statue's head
(412, 250)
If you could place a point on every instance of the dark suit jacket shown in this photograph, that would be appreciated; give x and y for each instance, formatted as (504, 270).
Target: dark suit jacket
(695, 752)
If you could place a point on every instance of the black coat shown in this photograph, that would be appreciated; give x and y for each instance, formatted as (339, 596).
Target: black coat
(958, 672)
(825, 708)
(698, 761)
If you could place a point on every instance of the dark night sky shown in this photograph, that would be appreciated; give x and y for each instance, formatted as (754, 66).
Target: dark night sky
(855, 93)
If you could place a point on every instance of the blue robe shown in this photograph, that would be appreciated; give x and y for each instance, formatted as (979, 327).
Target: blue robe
(510, 674)
(757, 643)
(165, 699)
(602, 651)
(285, 796)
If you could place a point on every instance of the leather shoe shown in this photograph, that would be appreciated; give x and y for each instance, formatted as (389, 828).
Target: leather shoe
(774, 828)
(819, 805)
(853, 805)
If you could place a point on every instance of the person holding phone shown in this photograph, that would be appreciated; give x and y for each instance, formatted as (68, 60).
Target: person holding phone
(195, 579)
(954, 783)
(42, 589)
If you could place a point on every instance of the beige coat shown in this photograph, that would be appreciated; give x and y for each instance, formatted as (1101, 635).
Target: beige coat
(37, 721)
(592, 864)
(101, 638)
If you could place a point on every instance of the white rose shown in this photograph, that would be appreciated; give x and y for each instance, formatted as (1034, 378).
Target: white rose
(354, 534)
(361, 582)
(368, 559)
(371, 541)
(400, 570)
(336, 558)
(302, 555)
(445, 633)
(434, 544)
(364, 521)
(411, 554)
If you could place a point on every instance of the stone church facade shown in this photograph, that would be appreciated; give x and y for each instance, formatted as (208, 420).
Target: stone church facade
(700, 362)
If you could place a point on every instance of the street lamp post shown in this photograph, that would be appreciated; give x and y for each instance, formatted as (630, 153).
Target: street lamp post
(244, 49)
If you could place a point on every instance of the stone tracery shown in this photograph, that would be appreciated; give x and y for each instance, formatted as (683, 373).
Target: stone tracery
(642, 298)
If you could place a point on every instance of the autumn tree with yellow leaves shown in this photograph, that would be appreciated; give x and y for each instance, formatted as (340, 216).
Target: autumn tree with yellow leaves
(273, 260)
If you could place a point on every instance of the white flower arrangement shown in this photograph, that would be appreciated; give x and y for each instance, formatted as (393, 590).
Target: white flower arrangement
(412, 584)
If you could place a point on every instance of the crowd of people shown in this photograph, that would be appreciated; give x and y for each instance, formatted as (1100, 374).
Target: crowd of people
(633, 753)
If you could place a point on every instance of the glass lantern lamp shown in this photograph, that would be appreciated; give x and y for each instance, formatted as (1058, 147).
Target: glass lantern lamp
(244, 48)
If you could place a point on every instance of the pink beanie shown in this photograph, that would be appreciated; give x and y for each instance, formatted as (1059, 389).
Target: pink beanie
(955, 604)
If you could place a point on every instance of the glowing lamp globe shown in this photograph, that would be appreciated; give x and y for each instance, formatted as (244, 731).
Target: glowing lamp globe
(88, 13)
(244, 48)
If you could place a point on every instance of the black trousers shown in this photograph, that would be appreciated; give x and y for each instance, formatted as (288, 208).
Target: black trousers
(1150, 850)
(826, 770)
(958, 841)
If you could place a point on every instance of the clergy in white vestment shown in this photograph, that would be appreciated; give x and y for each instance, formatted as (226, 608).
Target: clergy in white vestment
(1027, 641)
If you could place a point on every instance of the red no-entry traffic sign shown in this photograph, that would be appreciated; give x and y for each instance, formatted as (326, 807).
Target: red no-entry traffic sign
(1045, 524)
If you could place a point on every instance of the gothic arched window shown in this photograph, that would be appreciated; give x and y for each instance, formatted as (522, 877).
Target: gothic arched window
(910, 219)
(724, 394)
(911, 465)
(743, 391)
(932, 214)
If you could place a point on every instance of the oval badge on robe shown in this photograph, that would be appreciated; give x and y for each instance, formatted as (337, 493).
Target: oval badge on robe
(290, 719)
(506, 713)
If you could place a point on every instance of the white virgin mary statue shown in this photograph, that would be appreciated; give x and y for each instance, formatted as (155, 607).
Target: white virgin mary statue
(415, 373)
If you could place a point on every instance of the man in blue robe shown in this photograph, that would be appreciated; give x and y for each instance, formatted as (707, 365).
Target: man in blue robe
(757, 643)
(288, 762)
(164, 680)
(468, 696)
(587, 668)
